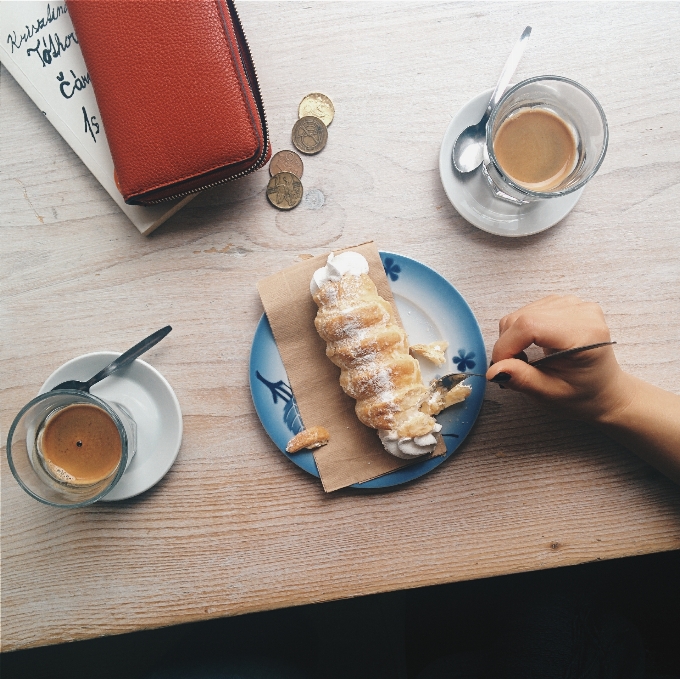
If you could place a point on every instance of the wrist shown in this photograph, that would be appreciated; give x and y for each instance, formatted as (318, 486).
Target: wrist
(619, 400)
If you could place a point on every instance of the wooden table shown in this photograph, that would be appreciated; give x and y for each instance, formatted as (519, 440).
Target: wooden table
(235, 527)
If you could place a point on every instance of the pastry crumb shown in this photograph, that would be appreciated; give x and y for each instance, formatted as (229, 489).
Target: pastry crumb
(314, 437)
(434, 351)
(442, 399)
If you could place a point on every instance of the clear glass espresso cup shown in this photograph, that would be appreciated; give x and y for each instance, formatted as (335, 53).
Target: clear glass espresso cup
(576, 107)
(37, 476)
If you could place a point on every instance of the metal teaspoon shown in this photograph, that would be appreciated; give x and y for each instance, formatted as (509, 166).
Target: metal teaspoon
(469, 146)
(452, 379)
(124, 359)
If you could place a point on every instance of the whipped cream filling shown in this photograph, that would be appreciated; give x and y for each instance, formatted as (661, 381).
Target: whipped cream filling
(336, 267)
(406, 448)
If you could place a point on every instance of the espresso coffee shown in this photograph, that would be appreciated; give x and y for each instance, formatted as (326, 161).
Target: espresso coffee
(536, 149)
(80, 445)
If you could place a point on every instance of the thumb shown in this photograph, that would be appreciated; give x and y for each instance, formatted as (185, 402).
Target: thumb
(527, 379)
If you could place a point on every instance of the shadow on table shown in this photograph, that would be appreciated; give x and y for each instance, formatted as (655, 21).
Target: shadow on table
(528, 622)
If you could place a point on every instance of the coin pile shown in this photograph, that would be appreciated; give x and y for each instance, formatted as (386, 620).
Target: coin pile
(310, 135)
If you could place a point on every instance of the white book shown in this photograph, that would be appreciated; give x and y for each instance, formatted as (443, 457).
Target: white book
(38, 46)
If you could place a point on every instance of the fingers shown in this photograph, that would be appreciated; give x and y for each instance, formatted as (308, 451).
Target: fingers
(578, 385)
(550, 302)
(529, 380)
(553, 323)
(528, 329)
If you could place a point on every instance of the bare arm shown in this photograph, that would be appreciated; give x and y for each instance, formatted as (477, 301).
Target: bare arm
(589, 386)
(649, 425)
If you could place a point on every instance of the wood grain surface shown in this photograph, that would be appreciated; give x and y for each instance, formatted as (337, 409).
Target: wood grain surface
(234, 526)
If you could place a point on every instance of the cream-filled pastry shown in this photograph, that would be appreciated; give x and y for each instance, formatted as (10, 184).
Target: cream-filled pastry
(364, 340)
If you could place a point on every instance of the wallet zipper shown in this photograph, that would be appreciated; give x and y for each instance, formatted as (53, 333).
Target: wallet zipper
(260, 109)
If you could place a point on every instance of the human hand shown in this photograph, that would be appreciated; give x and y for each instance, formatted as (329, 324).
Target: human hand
(586, 386)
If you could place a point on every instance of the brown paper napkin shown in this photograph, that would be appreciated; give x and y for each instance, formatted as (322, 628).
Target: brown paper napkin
(354, 452)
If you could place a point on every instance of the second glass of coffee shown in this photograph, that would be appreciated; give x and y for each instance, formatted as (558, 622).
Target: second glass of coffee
(68, 448)
(546, 138)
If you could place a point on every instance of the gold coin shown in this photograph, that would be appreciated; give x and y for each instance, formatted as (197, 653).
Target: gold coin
(284, 190)
(286, 161)
(309, 135)
(319, 106)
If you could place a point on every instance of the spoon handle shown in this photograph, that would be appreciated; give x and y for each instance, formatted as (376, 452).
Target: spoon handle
(509, 69)
(130, 355)
(567, 352)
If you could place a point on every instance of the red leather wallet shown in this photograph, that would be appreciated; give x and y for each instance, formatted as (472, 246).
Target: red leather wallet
(177, 92)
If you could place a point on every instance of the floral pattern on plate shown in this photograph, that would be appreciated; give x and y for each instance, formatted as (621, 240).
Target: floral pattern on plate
(431, 309)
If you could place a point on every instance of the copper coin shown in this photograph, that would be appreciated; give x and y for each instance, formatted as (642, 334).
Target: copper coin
(286, 161)
(309, 135)
(319, 106)
(284, 190)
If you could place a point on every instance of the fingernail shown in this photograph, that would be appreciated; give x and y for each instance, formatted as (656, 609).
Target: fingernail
(501, 378)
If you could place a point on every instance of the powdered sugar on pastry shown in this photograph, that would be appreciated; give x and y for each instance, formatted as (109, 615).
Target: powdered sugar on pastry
(371, 350)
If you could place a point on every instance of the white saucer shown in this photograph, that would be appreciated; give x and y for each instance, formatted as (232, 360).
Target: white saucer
(472, 197)
(148, 397)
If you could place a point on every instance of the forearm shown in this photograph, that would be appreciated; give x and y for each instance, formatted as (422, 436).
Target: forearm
(648, 425)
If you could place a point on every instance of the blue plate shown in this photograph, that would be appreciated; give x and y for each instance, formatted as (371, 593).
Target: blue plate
(431, 309)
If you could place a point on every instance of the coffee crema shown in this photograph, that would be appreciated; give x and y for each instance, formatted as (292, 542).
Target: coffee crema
(80, 445)
(536, 149)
